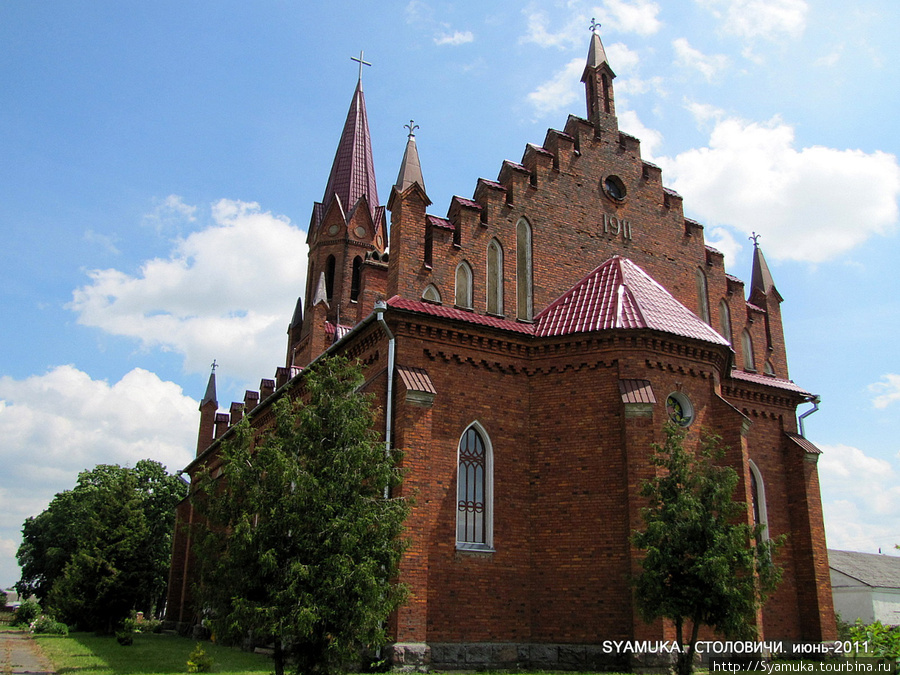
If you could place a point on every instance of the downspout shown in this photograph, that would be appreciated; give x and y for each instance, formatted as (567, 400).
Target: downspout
(380, 308)
(815, 400)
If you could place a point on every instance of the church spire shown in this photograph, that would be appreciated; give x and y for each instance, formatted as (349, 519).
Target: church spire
(761, 280)
(353, 171)
(410, 168)
(597, 78)
(210, 396)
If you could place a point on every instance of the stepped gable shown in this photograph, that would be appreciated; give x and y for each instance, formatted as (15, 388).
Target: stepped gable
(619, 294)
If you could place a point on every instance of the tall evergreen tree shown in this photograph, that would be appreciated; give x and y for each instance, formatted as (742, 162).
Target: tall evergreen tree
(302, 546)
(704, 564)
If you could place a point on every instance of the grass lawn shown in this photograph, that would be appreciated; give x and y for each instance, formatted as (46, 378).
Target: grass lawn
(87, 654)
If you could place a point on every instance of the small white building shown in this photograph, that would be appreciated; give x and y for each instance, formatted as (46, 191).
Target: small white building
(865, 586)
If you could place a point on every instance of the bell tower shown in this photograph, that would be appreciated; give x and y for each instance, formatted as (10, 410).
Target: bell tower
(345, 229)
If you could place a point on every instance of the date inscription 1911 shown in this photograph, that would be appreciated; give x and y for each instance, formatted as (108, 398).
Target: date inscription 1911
(615, 227)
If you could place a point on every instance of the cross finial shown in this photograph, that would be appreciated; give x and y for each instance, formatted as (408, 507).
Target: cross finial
(361, 62)
(594, 25)
(412, 126)
(755, 239)
(214, 365)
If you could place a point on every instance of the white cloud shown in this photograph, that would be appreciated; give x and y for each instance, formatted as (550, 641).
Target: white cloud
(860, 498)
(693, 59)
(455, 38)
(625, 16)
(225, 292)
(721, 239)
(650, 139)
(104, 241)
(637, 16)
(559, 92)
(888, 391)
(62, 422)
(769, 19)
(170, 214)
(810, 204)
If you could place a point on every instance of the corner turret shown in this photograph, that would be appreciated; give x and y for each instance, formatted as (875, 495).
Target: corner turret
(409, 235)
(208, 407)
(598, 87)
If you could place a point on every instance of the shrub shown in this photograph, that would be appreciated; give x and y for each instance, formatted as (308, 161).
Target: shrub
(26, 613)
(883, 641)
(125, 637)
(49, 625)
(199, 661)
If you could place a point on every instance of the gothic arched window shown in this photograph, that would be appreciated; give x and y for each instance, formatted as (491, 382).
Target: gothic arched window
(702, 295)
(758, 500)
(431, 294)
(474, 488)
(725, 321)
(524, 281)
(355, 279)
(495, 278)
(329, 277)
(464, 285)
(747, 348)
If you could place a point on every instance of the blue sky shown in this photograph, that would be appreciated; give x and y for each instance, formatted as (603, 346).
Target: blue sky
(160, 162)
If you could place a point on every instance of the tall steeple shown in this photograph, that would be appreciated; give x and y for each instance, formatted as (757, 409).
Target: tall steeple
(598, 87)
(353, 170)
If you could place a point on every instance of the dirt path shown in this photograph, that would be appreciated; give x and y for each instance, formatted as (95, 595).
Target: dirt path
(19, 654)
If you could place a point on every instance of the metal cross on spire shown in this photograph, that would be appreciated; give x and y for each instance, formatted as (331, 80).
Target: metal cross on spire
(214, 365)
(361, 62)
(594, 25)
(412, 126)
(755, 239)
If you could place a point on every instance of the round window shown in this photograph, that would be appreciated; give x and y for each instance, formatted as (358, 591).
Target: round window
(334, 229)
(679, 409)
(360, 231)
(614, 188)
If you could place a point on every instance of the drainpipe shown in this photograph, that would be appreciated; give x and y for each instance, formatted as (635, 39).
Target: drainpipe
(815, 400)
(380, 308)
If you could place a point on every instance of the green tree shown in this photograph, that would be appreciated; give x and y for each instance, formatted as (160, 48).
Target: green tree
(102, 549)
(703, 564)
(302, 546)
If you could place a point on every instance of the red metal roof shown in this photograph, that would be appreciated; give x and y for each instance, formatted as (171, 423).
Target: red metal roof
(619, 294)
(353, 171)
(458, 314)
(416, 379)
(636, 391)
(768, 380)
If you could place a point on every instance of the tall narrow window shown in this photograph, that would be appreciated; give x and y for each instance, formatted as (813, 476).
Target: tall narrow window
(464, 285)
(473, 491)
(329, 277)
(356, 279)
(747, 348)
(725, 321)
(702, 295)
(494, 278)
(758, 500)
(524, 300)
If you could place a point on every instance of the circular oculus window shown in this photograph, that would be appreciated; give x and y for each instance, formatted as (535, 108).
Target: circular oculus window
(679, 409)
(334, 229)
(614, 188)
(360, 231)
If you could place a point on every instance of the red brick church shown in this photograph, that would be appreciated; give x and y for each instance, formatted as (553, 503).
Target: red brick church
(525, 350)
